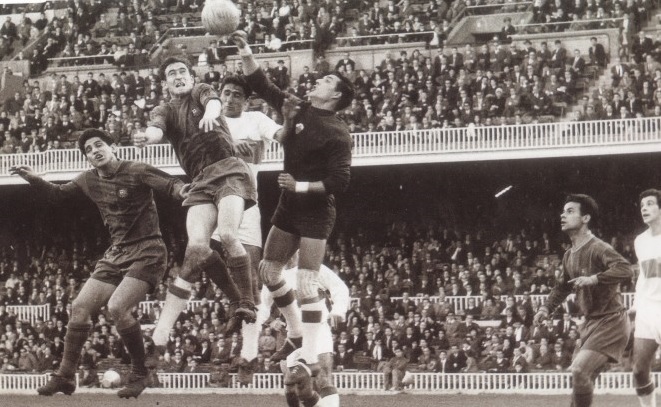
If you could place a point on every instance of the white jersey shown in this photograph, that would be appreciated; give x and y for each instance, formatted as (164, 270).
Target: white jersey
(328, 280)
(257, 127)
(648, 251)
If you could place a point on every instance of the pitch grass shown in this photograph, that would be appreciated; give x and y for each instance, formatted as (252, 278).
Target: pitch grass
(385, 400)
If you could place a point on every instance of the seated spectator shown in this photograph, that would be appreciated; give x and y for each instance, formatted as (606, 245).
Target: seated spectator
(395, 370)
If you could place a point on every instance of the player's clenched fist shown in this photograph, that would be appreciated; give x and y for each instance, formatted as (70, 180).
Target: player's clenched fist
(287, 182)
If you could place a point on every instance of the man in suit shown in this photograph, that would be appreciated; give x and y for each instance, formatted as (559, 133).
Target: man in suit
(306, 76)
(212, 75)
(345, 61)
(634, 104)
(641, 47)
(560, 358)
(597, 53)
(457, 359)
(578, 63)
(356, 341)
(558, 57)
(280, 75)
(343, 359)
(618, 71)
(456, 59)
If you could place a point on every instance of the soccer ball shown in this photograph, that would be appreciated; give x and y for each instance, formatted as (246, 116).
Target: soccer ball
(111, 379)
(220, 17)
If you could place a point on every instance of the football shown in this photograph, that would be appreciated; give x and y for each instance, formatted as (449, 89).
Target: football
(111, 379)
(220, 17)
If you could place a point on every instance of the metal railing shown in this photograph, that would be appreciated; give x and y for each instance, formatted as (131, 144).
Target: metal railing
(460, 302)
(563, 25)
(503, 7)
(508, 383)
(31, 313)
(539, 136)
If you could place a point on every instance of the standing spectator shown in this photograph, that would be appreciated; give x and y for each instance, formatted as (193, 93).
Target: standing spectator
(597, 53)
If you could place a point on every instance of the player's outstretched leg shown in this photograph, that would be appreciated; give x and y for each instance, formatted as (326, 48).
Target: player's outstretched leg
(196, 259)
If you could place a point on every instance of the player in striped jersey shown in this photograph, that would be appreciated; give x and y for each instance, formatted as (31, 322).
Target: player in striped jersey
(133, 265)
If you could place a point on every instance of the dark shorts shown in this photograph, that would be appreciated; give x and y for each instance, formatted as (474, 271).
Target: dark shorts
(608, 335)
(230, 176)
(145, 260)
(314, 223)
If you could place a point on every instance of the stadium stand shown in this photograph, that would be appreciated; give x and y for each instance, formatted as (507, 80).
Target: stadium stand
(530, 63)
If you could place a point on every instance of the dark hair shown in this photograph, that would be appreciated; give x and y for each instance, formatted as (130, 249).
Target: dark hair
(91, 133)
(346, 88)
(173, 60)
(651, 192)
(238, 81)
(588, 205)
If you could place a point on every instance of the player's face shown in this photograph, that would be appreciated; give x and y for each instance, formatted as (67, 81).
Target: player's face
(571, 218)
(98, 152)
(325, 88)
(649, 209)
(178, 79)
(233, 100)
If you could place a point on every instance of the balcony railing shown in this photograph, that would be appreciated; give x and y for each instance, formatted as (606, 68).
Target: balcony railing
(530, 137)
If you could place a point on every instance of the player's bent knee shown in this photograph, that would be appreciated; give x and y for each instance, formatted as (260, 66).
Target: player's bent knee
(227, 237)
(582, 378)
(270, 272)
(307, 283)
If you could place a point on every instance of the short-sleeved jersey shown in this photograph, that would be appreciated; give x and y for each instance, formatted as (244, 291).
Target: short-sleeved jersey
(180, 121)
(648, 252)
(255, 127)
(125, 199)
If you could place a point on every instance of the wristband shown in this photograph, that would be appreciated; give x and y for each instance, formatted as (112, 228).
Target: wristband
(302, 187)
(245, 51)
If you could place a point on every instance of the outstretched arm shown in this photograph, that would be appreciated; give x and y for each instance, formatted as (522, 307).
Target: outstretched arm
(53, 192)
(255, 77)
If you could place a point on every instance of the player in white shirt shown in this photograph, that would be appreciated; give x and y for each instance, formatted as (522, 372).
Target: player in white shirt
(251, 132)
(338, 293)
(647, 301)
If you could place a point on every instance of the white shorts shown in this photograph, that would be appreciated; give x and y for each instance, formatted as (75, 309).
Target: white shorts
(648, 323)
(325, 345)
(250, 229)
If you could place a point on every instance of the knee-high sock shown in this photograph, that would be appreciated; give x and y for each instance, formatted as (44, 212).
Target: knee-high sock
(240, 271)
(175, 302)
(582, 400)
(329, 397)
(74, 340)
(132, 338)
(250, 345)
(285, 300)
(292, 397)
(220, 275)
(646, 395)
(312, 314)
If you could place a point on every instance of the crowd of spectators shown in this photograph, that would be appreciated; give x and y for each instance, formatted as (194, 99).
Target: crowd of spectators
(385, 330)
(478, 85)
(481, 86)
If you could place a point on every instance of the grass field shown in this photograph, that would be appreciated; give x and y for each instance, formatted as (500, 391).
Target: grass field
(385, 400)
